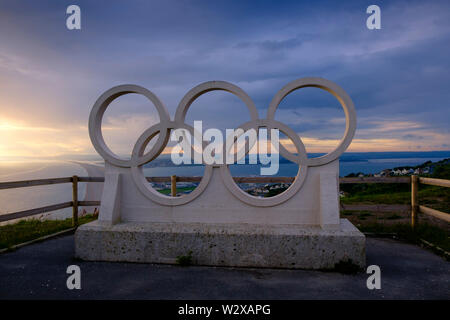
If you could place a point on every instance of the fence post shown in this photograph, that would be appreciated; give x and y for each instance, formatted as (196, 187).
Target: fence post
(173, 185)
(74, 201)
(414, 200)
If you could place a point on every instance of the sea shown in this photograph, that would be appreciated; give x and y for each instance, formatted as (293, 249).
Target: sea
(350, 162)
(13, 200)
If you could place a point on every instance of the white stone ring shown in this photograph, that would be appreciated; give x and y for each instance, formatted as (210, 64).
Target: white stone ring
(346, 103)
(164, 127)
(298, 180)
(96, 116)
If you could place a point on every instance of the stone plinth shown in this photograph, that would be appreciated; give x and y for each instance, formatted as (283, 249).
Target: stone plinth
(245, 245)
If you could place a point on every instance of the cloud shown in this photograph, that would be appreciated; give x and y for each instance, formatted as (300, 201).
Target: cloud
(272, 45)
(396, 76)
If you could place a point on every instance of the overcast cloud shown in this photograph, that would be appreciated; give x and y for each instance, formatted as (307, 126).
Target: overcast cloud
(397, 77)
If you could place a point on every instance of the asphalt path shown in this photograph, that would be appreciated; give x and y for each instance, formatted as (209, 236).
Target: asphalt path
(38, 271)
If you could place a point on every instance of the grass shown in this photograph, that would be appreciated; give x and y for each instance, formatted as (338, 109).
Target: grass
(430, 233)
(179, 189)
(27, 230)
(364, 214)
(434, 197)
(393, 217)
(185, 260)
(398, 223)
(389, 193)
(347, 267)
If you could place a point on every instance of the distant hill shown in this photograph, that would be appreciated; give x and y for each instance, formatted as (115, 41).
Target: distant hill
(441, 169)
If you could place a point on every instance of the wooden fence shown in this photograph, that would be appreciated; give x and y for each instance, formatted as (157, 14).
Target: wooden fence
(416, 207)
(75, 203)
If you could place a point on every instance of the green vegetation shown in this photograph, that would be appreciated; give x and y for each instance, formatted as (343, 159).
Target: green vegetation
(27, 230)
(433, 234)
(395, 193)
(400, 193)
(185, 260)
(179, 190)
(347, 267)
(364, 214)
(273, 193)
(398, 223)
(442, 169)
(393, 217)
(387, 193)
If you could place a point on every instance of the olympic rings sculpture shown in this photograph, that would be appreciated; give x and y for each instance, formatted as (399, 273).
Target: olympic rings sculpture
(164, 127)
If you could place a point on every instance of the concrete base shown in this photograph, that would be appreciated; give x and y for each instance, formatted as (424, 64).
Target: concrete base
(244, 245)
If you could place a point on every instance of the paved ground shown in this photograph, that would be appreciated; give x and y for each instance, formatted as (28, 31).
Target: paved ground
(38, 271)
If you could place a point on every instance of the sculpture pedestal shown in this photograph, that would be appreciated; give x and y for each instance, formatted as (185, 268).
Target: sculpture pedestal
(237, 245)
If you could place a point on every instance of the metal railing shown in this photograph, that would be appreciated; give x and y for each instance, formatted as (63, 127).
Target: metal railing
(75, 203)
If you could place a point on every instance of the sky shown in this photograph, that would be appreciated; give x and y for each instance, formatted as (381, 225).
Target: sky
(50, 76)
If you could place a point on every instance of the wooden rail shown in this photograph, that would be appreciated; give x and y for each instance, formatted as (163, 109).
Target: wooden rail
(91, 179)
(75, 203)
(375, 180)
(88, 203)
(416, 207)
(435, 213)
(40, 182)
(236, 179)
(33, 183)
(376, 207)
(32, 212)
(286, 179)
(435, 182)
(414, 200)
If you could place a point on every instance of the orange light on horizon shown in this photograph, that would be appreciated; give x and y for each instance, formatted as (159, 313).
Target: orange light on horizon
(20, 139)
